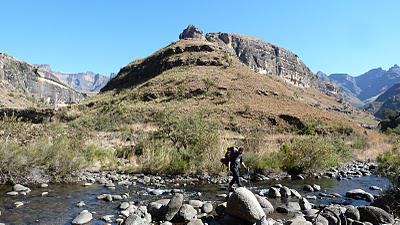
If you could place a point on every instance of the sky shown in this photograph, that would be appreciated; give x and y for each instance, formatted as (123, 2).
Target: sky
(336, 36)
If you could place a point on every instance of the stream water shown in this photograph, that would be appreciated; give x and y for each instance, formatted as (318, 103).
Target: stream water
(59, 206)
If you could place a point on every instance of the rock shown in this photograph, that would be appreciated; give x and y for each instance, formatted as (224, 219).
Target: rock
(125, 213)
(316, 187)
(45, 193)
(274, 193)
(173, 207)
(146, 179)
(157, 192)
(19, 188)
(107, 218)
(139, 217)
(298, 220)
(156, 211)
(285, 192)
(44, 185)
(124, 205)
(231, 220)
(18, 204)
(191, 32)
(308, 188)
(12, 193)
(352, 212)
(196, 203)
(186, 213)
(244, 205)
(83, 218)
(295, 193)
(334, 214)
(304, 204)
(375, 188)
(360, 194)
(80, 204)
(220, 209)
(166, 223)
(289, 207)
(207, 208)
(265, 204)
(318, 219)
(312, 197)
(374, 215)
(195, 222)
(87, 184)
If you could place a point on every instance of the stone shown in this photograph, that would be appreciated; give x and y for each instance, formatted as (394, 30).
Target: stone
(244, 205)
(125, 213)
(191, 32)
(124, 205)
(45, 193)
(173, 207)
(360, 194)
(12, 193)
(285, 192)
(274, 193)
(374, 215)
(156, 211)
(295, 193)
(107, 218)
(83, 218)
(265, 204)
(221, 208)
(298, 220)
(195, 222)
(186, 213)
(139, 217)
(352, 212)
(19, 188)
(80, 204)
(308, 188)
(316, 187)
(196, 203)
(44, 185)
(18, 204)
(304, 204)
(375, 188)
(166, 223)
(207, 208)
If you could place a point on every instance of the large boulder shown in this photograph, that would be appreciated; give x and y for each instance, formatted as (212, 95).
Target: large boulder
(191, 32)
(360, 194)
(352, 212)
(83, 218)
(304, 204)
(274, 193)
(156, 211)
(244, 205)
(374, 215)
(172, 208)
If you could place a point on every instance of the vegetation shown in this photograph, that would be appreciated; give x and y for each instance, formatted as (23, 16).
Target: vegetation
(181, 144)
(391, 122)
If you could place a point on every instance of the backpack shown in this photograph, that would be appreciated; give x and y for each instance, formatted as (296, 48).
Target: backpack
(227, 157)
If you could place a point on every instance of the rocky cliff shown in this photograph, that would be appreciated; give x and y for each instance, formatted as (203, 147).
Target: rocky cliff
(23, 83)
(83, 82)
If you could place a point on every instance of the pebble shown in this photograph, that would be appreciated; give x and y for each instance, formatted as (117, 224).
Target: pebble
(44, 185)
(18, 204)
(124, 205)
(107, 218)
(81, 204)
(45, 193)
(83, 218)
(87, 184)
(12, 193)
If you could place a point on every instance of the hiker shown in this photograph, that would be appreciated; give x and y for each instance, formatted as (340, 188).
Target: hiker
(235, 160)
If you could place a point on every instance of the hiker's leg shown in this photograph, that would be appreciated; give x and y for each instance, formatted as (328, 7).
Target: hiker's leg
(236, 177)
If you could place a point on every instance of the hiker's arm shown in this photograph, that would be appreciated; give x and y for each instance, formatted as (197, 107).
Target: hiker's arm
(244, 166)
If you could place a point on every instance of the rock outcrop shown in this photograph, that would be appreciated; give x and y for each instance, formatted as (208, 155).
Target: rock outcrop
(266, 58)
(24, 80)
(191, 32)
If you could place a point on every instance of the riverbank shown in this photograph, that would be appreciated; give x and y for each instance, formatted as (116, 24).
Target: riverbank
(103, 194)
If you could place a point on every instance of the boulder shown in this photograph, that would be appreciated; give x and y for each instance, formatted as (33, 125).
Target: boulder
(265, 204)
(274, 193)
(191, 32)
(221, 208)
(352, 212)
(295, 193)
(360, 194)
(308, 188)
(207, 208)
(172, 208)
(244, 205)
(19, 188)
(139, 217)
(195, 222)
(304, 204)
(298, 220)
(374, 215)
(196, 203)
(186, 213)
(156, 211)
(285, 192)
(83, 218)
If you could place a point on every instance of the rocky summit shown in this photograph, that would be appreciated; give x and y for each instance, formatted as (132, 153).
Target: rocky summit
(22, 85)
(191, 32)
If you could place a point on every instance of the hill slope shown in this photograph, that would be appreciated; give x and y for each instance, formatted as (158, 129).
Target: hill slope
(389, 100)
(24, 85)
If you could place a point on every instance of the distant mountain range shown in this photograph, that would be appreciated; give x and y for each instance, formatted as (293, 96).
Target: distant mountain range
(83, 82)
(373, 87)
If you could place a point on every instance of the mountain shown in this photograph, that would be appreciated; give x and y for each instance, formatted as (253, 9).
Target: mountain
(239, 81)
(83, 82)
(368, 86)
(389, 100)
(24, 85)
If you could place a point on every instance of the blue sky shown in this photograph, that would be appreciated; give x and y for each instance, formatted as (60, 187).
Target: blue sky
(350, 36)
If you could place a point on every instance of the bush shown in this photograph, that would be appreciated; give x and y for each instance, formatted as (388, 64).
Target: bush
(182, 144)
(312, 153)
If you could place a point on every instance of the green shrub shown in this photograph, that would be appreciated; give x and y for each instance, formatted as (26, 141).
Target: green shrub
(182, 144)
(312, 153)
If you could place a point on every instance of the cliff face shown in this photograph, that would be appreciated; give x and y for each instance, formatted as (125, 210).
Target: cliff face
(25, 81)
(266, 58)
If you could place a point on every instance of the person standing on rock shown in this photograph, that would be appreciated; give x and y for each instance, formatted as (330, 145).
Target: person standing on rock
(234, 164)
